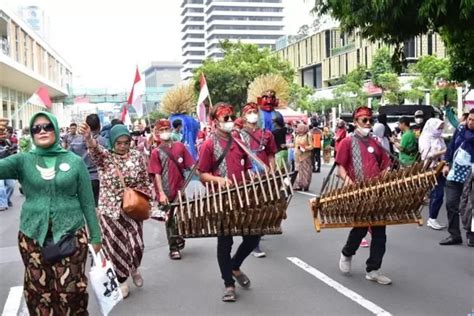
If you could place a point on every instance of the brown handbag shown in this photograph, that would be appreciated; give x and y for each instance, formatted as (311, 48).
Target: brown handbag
(135, 203)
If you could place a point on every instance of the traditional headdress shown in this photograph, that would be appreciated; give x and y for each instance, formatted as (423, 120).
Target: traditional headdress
(362, 111)
(249, 107)
(265, 89)
(179, 100)
(163, 123)
(221, 109)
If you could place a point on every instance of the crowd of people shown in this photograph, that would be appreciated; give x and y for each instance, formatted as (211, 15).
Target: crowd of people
(74, 180)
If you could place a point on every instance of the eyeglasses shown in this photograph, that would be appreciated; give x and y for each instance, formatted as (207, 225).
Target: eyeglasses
(125, 143)
(366, 120)
(36, 129)
(231, 117)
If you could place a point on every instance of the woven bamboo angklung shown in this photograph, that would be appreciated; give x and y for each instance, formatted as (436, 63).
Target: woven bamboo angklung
(256, 206)
(395, 197)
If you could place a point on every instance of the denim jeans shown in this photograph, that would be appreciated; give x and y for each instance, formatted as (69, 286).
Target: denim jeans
(226, 263)
(436, 197)
(10, 186)
(3, 195)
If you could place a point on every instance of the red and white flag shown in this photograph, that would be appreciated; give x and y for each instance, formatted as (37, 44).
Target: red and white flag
(41, 98)
(135, 98)
(203, 95)
(124, 117)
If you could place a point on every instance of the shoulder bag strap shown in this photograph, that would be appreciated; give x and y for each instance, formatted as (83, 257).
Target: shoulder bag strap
(222, 156)
(259, 141)
(173, 159)
(122, 180)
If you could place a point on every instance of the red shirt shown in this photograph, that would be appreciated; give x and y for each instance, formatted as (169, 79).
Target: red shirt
(262, 143)
(236, 159)
(372, 163)
(174, 175)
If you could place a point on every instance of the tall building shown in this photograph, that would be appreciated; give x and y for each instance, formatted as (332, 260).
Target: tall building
(207, 22)
(27, 62)
(162, 74)
(193, 48)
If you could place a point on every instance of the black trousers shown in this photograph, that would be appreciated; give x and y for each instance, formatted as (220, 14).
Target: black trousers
(226, 263)
(96, 190)
(453, 198)
(316, 159)
(377, 245)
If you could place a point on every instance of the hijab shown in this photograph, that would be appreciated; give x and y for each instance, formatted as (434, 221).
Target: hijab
(431, 139)
(116, 132)
(302, 129)
(55, 149)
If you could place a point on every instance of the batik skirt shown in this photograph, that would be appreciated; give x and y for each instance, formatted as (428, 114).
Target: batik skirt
(305, 172)
(59, 288)
(122, 241)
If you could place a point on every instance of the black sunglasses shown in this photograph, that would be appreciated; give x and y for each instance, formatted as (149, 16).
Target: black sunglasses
(365, 120)
(36, 129)
(231, 117)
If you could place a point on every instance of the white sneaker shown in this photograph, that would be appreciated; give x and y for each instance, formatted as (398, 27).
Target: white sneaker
(258, 253)
(124, 289)
(345, 264)
(434, 224)
(377, 277)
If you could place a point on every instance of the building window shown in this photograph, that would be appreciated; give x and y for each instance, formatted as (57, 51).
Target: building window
(327, 36)
(347, 64)
(318, 77)
(358, 56)
(365, 56)
(430, 44)
(409, 48)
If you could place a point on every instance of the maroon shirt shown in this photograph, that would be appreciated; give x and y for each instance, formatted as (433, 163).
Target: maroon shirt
(175, 177)
(262, 142)
(236, 159)
(372, 163)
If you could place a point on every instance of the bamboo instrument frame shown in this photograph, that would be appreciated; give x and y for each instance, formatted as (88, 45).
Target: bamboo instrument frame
(390, 199)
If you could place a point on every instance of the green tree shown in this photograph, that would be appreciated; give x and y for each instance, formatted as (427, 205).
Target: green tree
(300, 97)
(229, 77)
(395, 22)
(384, 76)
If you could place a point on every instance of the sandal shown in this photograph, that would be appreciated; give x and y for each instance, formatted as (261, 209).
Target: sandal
(175, 255)
(242, 279)
(180, 243)
(229, 295)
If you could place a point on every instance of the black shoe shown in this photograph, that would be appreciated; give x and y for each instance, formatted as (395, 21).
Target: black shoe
(10, 204)
(451, 241)
(318, 171)
(470, 242)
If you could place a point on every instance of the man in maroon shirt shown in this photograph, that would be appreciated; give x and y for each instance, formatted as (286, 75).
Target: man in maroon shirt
(168, 162)
(220, 159)
(261, 142)
(360, 157)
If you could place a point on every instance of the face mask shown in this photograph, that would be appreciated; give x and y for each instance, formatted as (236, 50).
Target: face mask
(363, 131)
(252, 118)
(418, 120)
(227, 126)
(437, 133)
(165, 136)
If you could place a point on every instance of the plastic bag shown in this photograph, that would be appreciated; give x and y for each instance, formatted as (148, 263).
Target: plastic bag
(104, 283)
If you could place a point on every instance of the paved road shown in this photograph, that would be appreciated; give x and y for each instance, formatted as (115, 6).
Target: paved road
(428, 279)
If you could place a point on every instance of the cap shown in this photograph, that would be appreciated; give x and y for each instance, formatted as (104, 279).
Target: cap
(419, 113)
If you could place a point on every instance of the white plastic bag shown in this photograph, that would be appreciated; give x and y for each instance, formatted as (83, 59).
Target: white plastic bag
(104, 282)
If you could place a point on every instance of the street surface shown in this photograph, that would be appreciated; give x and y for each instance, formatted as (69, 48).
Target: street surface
(299, 276)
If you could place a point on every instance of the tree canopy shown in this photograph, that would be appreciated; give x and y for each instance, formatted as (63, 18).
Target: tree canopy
(395, 22)
(229, 78)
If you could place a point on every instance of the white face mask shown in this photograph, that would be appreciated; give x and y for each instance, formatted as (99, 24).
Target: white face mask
(252, 118)
(165, 136)
(364, 131)
(227, 126)
(437, 133)
(418, 120)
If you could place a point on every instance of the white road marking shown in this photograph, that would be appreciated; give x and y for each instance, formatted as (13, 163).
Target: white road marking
(13, 301)
(307, 193)
(377, 310)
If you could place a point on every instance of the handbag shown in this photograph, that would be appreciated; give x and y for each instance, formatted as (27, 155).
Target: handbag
(135, 203)
(54, 252)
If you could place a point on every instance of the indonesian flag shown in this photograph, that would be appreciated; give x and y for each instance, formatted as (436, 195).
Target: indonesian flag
(203, 95)
(125, 118)
(41, 98)
(135, 98)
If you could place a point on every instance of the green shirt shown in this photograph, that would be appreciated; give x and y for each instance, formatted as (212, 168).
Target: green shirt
(408, 148)
(176, 137)
(67, 200)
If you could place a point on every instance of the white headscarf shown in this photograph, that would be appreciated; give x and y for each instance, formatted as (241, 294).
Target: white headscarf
(431, 139)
